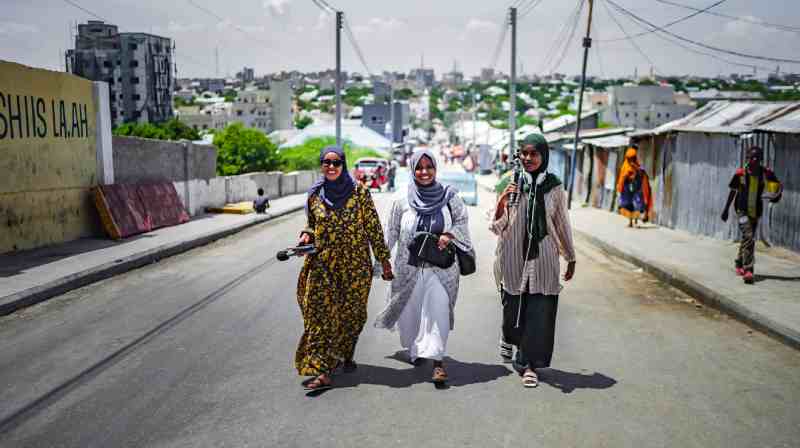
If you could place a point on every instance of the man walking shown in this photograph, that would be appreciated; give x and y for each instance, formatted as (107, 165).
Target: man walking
(748, 186)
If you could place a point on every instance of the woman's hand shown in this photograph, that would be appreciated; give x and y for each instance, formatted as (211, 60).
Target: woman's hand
(444, 240)
(501, 203)
(305, 239)
(570, 271)
(387, 275)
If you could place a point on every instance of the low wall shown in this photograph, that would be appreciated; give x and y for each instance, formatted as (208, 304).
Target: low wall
(289, 184)
(144, 160)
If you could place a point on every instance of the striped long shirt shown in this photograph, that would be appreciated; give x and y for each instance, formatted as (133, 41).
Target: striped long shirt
(540, 275)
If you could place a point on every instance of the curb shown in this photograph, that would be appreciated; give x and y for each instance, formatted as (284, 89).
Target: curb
(706, 295)
(31, 296)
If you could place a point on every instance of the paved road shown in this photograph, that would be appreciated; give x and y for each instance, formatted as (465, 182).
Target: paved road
(196, 351)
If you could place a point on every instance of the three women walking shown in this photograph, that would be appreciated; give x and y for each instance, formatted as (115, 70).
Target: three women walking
(422, 298)
(334, 284)
(532, 233)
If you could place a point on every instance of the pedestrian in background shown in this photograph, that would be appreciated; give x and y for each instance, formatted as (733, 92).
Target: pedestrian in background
(633, 186)
(533, 233)
(422, 298)
(748, 186)
(334, 284)
(261, 203)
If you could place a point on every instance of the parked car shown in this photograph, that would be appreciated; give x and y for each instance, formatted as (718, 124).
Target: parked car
(371, 172)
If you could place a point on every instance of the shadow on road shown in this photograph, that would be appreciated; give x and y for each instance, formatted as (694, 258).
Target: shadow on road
(760, 278)
(569, 381)
(460, 374)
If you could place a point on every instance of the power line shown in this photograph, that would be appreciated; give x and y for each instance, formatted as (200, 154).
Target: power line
(325, 6)
(356, 47)
(694, 50)
(628, 36)
(563, 48)
(499, 47)
(700, 44)
(70, 2)
(531, 6)
(222, 20)
(791, 29)
(674, 22)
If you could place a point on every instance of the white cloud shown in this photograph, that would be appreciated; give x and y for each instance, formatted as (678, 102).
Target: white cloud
(17, 28)
(481, 25)
(324, 20)
(277, 8)
(379, 24)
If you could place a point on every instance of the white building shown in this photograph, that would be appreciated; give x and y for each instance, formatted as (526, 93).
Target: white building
(643, 107)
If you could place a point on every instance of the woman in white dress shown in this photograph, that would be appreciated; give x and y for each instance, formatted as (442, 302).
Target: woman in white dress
(422, 298)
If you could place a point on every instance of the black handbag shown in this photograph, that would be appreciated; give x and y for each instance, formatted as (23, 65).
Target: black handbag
(424, 248)
(466, 262)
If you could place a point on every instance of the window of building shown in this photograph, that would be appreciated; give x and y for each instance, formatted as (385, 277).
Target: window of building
(134, 63)
(133, 47)
(112, 96)
(135, 80)
(667, 114)
(238, 113)
(136, 97)
(627, 115)
(107, 64)
(658, 115)
(110, 81)
(137, 114)
(119, 79)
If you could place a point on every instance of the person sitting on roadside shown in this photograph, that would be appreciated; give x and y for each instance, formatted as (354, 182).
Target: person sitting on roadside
(261, 204)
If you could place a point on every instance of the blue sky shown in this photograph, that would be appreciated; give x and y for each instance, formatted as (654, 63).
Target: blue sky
(273, 35)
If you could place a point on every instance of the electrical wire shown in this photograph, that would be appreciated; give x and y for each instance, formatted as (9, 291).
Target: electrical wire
(499, 47)
(700, 44)
(696, 51)
(222, 19)
(629, 37)
(565, 47)
(531, 6)
(777, 26)
(674, 22)
(356, 47)
(70, 2)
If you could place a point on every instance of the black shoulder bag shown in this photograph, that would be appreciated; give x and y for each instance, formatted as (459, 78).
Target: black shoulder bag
(424, 248)
(466, 262)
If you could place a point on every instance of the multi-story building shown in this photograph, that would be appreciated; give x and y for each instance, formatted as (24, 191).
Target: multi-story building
(487, 74)
(424, 77)
(281, 95)
(643, 107)
(247, 75)
(253, 109)
(138, 68)
(380, 119)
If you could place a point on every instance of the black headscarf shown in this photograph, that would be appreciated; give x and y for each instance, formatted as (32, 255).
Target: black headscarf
(536, 222)
(334, 194)
(429, 200)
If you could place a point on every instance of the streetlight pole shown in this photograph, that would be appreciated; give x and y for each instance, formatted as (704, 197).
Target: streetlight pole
(587, 43)
(339, 21)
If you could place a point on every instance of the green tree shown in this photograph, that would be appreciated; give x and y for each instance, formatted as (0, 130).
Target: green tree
(173, 129)
(243, 150)
(303, 122)
(306, 156)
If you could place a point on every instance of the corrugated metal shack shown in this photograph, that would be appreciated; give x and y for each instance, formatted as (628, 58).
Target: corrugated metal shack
(694, 158)
(561, 153)
(602, 159)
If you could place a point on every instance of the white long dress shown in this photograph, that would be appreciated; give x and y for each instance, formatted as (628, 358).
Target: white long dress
(421, 300)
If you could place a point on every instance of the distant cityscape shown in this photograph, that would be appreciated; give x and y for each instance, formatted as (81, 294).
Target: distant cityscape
(140, 71)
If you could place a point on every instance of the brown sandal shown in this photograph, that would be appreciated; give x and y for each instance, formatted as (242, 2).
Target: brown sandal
(318, 384)
(439, 375)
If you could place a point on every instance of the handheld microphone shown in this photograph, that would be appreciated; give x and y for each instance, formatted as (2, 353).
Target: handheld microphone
(298, 251)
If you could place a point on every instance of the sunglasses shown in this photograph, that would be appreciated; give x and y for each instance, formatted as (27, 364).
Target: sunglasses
(334, 163)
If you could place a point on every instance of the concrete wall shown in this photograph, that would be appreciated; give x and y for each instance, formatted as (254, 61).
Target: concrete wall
(144, 160)
(49, 156)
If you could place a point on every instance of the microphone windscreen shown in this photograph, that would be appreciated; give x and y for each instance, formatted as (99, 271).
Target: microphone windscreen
(283, 256)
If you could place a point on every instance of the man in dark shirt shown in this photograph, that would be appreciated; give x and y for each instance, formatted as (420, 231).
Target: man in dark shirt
(261, 204)
(747, 187)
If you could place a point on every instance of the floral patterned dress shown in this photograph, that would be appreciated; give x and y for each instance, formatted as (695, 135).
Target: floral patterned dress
(334, 284)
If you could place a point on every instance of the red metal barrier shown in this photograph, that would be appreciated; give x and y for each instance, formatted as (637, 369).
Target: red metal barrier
(162, 204)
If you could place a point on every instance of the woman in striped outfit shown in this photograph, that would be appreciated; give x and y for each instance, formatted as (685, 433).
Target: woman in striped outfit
(533, 233)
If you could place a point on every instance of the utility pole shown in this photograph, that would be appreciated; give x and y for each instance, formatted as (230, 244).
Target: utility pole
(339, 21)
(512, 114)
(587, 43)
